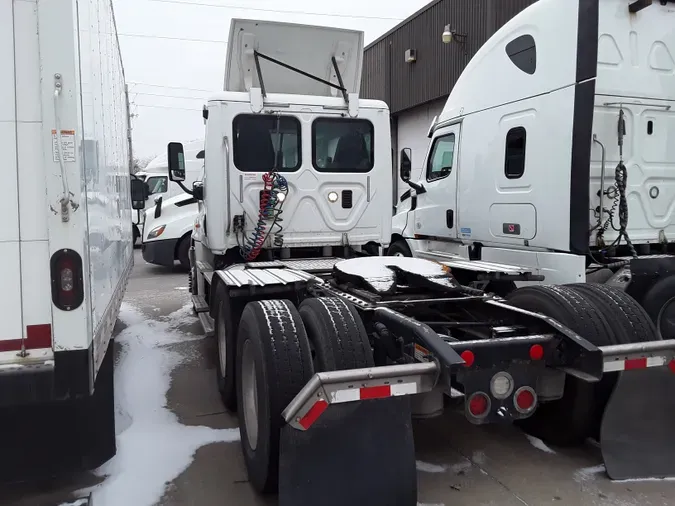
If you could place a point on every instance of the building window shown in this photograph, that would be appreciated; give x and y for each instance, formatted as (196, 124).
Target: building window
(442, 158)
(157, 184)
(523, 53)
(261, 140)
(514, 166)
(342, 145)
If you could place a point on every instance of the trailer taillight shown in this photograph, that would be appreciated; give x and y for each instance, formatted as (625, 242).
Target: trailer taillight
(468, 357)
(537, 352)
(525, 400)
(67, 279)
(478, 405)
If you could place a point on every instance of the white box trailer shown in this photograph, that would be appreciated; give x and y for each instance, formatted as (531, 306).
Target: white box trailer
(66, 237)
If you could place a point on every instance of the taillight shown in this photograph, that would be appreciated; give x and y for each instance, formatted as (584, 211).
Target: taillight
(67, 281)
(525, 400)
(478, 405)
(537, 352)
(468, 357)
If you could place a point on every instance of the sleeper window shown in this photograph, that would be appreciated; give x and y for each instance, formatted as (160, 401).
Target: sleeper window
(514, 166)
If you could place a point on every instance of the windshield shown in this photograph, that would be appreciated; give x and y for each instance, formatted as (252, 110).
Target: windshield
(157, 184)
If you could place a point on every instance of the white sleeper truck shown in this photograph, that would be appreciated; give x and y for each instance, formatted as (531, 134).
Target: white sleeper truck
(327, 348)
(553, 153)
(66, 243)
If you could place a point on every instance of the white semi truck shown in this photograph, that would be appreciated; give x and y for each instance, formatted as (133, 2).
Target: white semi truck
(556, 156)
(326, 348)
(66, 239)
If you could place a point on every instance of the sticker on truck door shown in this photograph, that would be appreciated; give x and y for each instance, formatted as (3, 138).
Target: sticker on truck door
(67, 145)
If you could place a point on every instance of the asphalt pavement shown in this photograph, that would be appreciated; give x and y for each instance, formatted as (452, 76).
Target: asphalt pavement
(177, 446)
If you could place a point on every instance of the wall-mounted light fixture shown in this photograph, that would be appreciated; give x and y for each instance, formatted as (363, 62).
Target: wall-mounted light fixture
(450, 35)
(410, 56)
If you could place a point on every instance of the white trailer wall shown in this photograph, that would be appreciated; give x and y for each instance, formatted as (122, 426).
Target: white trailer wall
(106, 156)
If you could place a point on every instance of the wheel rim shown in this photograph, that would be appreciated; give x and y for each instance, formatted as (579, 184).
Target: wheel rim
(249, 390)
(665, 321)
(398, 254)
(222, 342)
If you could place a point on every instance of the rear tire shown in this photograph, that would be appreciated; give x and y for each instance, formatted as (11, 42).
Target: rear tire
(399, 249)
(226, 346)
(273, 364)
(384, 441)
(337, 334)
(628, 322)
(570, 420)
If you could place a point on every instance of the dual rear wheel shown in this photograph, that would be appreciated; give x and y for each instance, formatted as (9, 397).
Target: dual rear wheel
(274, 352)
(604, 316)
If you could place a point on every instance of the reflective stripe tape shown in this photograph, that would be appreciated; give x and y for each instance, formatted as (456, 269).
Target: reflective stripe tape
(378, 392)
(634, 363)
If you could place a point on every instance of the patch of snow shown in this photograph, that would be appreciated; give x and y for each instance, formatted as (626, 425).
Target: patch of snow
(376, 271)
(639, 480)
(461, 467)
(425, 467)
(181, 288)
(153, 447)
(79, 502)
(539, 444)
(588, 473)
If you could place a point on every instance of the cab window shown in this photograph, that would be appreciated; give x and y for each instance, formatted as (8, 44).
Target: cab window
(442, 157)
(342, 145)
(263, 142)
(157, 184)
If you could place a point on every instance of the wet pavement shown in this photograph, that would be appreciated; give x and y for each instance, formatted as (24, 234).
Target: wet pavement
(178, 446)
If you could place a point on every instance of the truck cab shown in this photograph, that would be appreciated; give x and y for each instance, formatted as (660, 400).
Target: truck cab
(555, 156)
(294, 165)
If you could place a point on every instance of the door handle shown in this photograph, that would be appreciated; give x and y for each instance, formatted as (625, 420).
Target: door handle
(450, 218)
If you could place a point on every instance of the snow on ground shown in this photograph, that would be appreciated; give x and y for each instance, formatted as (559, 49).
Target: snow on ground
(425, 467)
(153, 448)
(539, 444)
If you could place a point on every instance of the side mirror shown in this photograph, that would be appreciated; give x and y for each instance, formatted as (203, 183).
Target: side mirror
(139, 193)
(176, 160)
(405, 164)
(198, 190)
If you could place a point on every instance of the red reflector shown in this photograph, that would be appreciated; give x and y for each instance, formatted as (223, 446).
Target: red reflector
(468, 357)
(537, 352)
(37, 336)
(313, 414)
(671, 366)
(375, 392)
(478, 404)
(635, 363)
(525, 399)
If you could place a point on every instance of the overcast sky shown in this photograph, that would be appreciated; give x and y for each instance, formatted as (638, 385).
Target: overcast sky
(160, 66)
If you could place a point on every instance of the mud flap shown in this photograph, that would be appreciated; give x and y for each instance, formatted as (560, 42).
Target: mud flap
(358, 454)
(637, 435)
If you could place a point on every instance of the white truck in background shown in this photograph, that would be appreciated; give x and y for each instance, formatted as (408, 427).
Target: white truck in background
(159, 185)
(318, 354)
(555, 155)
(66, 238)
(168, 223)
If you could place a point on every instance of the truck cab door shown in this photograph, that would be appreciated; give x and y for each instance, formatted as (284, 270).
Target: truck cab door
(436, 212)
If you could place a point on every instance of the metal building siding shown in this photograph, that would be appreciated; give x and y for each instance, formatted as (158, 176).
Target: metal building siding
(404, 85)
